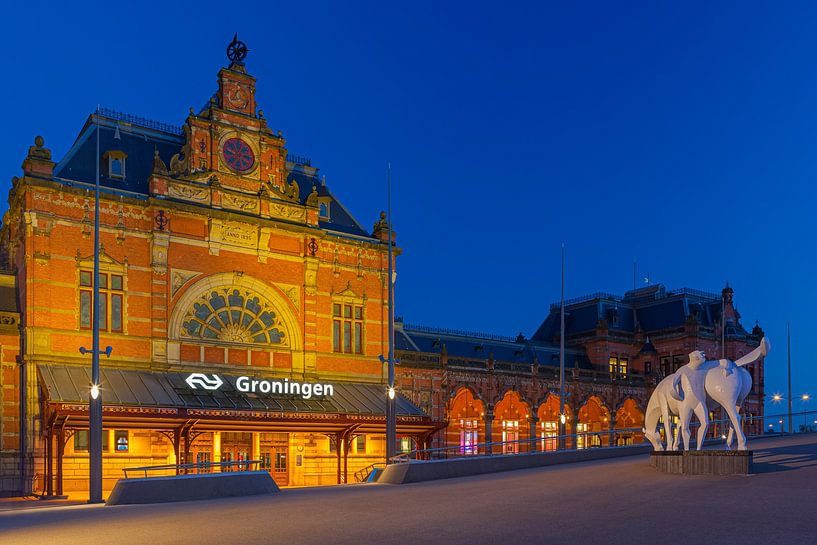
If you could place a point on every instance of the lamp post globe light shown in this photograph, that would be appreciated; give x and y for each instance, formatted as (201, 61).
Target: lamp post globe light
(776, 399)
(804, 398)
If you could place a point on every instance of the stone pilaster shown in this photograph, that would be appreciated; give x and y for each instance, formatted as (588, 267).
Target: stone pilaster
(488, 419)
(310, 317)
(159, 247)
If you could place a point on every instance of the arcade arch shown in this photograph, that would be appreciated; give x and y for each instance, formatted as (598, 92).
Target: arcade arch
(548, 426)
(629, 415)
(512, 418)
(466, 424)
(593, 426)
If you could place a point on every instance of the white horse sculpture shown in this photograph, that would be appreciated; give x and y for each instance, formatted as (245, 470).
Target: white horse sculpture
(703, 386)
(665, 401)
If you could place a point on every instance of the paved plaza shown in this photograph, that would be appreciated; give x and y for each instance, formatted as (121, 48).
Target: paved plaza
(605, 502)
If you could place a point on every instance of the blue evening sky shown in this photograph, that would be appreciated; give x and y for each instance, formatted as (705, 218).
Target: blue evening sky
(679, 135)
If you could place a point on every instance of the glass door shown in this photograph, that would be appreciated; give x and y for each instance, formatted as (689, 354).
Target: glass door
(469, 436)
(235, 447)
(275, 456)
(548, 435)
(581, 435)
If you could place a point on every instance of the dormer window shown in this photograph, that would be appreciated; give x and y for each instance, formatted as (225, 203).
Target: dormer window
(116, 164)
(323, 209)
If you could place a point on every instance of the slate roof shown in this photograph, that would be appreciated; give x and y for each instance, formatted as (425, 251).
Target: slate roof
(340, 219)
(139, 143)
(139, 138)
(69, 384)
(475, 346)
(653, 308)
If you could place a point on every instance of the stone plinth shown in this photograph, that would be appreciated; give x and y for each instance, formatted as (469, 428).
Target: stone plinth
(703, 462)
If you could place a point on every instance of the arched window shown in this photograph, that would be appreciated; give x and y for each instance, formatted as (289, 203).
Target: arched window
(233, 315)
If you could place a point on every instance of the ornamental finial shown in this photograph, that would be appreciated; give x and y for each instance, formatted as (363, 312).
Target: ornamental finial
(237, 50)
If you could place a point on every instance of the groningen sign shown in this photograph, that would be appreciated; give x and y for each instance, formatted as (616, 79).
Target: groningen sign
(246, 384)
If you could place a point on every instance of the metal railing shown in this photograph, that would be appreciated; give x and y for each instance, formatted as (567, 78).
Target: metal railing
(362, 474)
(659, 294)
(200, 467)
(299, 160)
(589, 297)
(550, 443)
(141, 121)
(458, 333)
(717, 431)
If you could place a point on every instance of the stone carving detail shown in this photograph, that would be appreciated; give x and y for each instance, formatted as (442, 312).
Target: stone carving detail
(9, 319)
(288, 191)
(179, 278)
(699, 387)
(86, 220)
(159, 166)
(312, 199)
(188, 192)
(78, 203)
(178, 164)
(120, 226)
(239, 234)
(234, 315)
(159, 247)
(236, 202)
(381, 225)
(292, 292)
(287, 212)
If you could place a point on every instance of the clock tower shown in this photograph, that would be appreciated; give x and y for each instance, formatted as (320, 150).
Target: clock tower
(230, 158)
(236, 88)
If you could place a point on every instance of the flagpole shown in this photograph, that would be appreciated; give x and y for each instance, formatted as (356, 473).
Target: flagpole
(391, 416)
(788, 358)
(562, 415)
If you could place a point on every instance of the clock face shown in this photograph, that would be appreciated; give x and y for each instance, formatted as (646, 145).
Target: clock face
(238, 155)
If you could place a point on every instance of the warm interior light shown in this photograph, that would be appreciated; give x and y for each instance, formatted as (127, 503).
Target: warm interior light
(391, 393)
(94, 391)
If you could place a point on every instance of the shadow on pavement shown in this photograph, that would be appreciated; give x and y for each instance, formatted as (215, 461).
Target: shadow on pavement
(785, 458)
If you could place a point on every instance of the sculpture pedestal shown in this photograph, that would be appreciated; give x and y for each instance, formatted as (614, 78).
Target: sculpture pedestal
(703, 462)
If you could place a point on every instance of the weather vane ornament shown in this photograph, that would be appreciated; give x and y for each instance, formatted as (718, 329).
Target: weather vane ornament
(237, 50)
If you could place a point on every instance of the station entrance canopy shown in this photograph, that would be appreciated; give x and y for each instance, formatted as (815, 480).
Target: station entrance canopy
(218, 402)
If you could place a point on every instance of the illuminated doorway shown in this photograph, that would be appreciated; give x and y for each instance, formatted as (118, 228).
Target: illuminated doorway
(510, 434)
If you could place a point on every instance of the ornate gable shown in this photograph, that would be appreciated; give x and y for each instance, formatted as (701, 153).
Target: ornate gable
(230, 158)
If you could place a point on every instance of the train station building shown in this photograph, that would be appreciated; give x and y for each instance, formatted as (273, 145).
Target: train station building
(246, 309)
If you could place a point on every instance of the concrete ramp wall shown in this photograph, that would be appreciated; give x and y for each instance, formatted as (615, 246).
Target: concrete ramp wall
(192, 487)
(417, 471)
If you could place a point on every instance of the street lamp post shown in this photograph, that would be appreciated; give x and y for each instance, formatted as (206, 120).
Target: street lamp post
(95, 397)
(804, 398)
(95, 393)
(391, 404)
(788, 367)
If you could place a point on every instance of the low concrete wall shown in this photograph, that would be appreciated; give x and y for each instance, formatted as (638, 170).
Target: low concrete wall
(704, 462)
(417, 471)
(192, 487)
